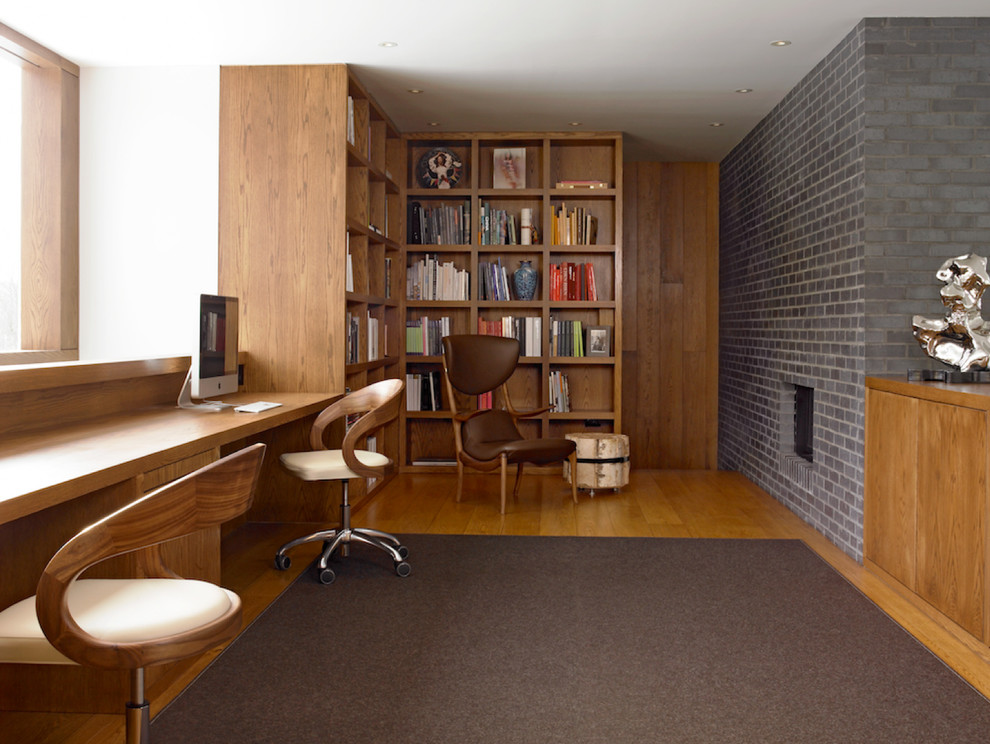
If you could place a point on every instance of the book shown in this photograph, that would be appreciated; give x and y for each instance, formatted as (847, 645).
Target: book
(509, 168)
(572, 184)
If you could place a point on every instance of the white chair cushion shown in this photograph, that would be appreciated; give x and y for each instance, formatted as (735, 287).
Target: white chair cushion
(328, 464)
(115, 610)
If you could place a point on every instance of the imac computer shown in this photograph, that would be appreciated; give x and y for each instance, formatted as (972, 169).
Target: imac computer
(214, 362)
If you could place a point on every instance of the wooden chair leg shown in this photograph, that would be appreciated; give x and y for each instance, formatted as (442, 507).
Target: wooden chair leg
(515, 487)
(460, 479)
(505, 467)
(573, 461)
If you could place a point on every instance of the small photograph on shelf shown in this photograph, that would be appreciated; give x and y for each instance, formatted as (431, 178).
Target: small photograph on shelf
(509, 168)
(440, 168)
(598, 340)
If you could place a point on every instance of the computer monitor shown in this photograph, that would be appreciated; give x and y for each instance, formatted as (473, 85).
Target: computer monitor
(214, 361)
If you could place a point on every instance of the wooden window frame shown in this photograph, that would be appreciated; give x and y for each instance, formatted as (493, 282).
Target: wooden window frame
(50, 203)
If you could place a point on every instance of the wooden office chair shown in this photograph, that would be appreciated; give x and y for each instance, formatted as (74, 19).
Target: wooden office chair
(490, 439)
(136, 623)
(378, 403)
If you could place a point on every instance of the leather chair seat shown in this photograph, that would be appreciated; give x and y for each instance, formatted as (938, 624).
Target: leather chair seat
(316, 465)
(117, 611)
(533, 451)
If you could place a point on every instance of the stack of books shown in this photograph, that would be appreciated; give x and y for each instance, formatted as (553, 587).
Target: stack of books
(573, 281)
(527, 330)
(560, 397)
(574, 227)
(423, 336)
(429, 279)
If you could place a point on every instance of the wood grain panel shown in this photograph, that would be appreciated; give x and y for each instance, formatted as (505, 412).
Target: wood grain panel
(50, 209)
(671, 412)
(672, 381)
(952, 502)
(282, 220)
(890, 505)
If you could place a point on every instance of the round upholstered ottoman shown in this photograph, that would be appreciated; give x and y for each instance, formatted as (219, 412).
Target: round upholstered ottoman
(602, 460)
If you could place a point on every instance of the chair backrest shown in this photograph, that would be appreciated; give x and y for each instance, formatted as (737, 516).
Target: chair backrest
(208, 497)
(378, 403)
(476, 364)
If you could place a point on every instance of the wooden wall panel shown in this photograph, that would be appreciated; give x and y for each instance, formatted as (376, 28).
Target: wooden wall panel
(670, 347)
(282, 221)
(952, 502)
(890, 505)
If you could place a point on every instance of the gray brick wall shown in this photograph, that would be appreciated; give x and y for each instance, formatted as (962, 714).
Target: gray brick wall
(792, 295)
(927, 171)
(836, 210)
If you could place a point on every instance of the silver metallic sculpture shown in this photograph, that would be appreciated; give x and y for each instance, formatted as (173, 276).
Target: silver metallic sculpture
(962, 337)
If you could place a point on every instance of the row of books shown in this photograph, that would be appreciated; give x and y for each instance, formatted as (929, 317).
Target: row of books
(527, 330)
(573, 281)
(429, 279)
(493, 281)
(352, 346)
(575, 227)
(423, 392)
(497, 227)
(440, 224)
(423, 336)
(566, 338)
(560, 397)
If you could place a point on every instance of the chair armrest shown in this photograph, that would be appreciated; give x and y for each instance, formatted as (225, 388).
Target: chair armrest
(528, 414)
(466, 415)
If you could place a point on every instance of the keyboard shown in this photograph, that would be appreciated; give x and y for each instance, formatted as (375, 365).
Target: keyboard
(256, 407)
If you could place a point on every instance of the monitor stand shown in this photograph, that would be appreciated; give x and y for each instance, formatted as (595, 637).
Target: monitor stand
(186, 400)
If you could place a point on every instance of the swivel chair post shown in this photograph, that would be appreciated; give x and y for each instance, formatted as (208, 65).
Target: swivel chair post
(137, 720)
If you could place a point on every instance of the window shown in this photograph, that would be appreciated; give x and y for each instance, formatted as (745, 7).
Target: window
(10, 205)
(45, 247)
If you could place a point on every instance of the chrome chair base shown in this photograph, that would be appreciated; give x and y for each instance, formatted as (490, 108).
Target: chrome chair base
(335, 540)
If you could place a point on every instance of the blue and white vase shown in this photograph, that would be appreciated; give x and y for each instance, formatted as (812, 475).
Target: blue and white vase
(524, 280)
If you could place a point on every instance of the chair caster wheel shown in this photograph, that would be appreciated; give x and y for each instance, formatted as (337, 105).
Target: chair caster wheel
(403, 552)
(403, 569)
(327, 576)
(282, 562)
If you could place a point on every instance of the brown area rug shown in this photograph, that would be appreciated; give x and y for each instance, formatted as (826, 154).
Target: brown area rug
(578, 640)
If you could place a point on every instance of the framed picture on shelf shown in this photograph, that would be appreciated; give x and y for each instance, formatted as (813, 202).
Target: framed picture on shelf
(509, 168)
(598, 340)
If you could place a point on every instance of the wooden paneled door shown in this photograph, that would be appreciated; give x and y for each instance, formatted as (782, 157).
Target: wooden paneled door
(670, 300)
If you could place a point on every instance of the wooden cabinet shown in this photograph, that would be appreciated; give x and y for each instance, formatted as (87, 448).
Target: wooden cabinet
(926, 500)
(307, 187)
(553, 174)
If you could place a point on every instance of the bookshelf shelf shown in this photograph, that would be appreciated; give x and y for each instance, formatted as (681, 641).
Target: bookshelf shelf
(539, 162)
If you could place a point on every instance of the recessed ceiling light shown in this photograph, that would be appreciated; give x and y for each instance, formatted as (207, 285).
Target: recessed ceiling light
(780, 42)
(744, 90)
(388, 43)
(574, 123)
(716, 124)
(415, 90)
(434, 123)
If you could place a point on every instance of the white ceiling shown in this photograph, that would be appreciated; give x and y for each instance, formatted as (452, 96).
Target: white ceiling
(659, 70)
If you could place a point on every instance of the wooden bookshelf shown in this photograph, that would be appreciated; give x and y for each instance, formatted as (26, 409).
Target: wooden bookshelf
(307, 177)
(374, 227)
(550, 158)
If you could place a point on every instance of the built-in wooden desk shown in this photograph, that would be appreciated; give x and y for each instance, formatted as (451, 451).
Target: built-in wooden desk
(80, 440)
(41, 469)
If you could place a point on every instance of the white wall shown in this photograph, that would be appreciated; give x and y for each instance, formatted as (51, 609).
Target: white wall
(148, 214)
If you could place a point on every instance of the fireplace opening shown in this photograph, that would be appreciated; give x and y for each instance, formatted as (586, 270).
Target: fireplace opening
(804, 421)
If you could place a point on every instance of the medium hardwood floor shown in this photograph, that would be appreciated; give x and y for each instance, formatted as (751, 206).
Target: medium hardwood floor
(693, 504)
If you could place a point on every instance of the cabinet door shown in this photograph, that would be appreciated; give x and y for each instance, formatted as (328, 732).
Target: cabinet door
(890, 505)
(952, 497)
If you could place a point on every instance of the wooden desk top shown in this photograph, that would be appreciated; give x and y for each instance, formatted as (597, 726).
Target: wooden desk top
(42, 468)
